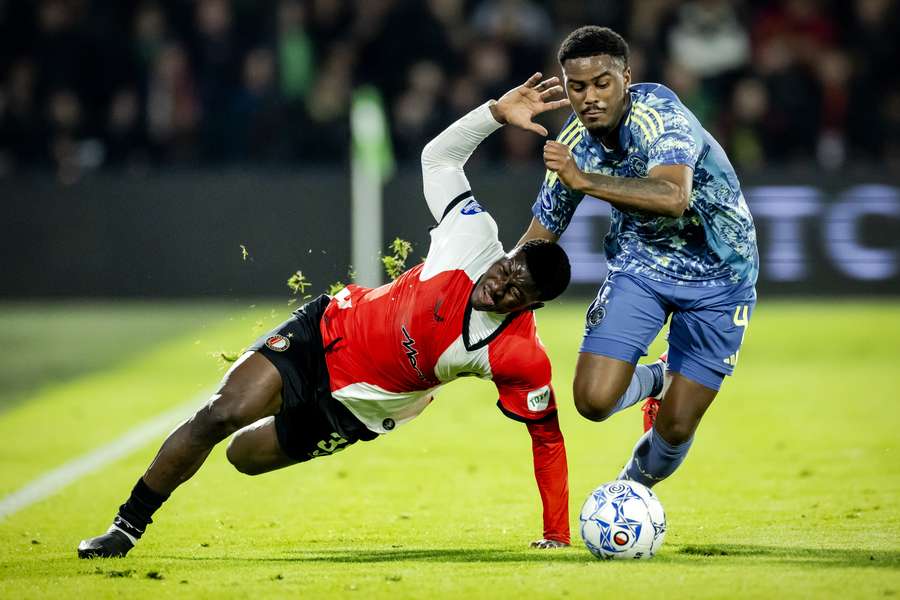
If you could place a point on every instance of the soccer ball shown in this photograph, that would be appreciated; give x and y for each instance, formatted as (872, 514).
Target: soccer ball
(622, 519)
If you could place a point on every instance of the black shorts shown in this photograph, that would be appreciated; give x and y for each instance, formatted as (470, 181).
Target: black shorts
(311, 422)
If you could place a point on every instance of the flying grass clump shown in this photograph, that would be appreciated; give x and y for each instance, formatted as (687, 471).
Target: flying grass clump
(395, 263)
(298, 283)
(226, 358)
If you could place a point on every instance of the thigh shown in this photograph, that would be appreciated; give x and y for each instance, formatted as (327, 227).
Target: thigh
(255, 448)
(600, 379)
(250, 390)
(705, 336)
(624, 319)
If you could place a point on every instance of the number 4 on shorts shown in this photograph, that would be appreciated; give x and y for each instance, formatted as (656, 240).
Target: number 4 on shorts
(741, 319)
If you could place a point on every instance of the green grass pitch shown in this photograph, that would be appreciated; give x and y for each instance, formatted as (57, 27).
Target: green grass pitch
(792, 488)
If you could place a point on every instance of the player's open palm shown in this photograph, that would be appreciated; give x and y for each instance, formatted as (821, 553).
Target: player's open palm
(520, 105)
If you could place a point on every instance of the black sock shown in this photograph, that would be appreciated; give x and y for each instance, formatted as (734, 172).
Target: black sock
(136, 513)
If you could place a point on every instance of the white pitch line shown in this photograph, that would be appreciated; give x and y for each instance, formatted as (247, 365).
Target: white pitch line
(51, 482)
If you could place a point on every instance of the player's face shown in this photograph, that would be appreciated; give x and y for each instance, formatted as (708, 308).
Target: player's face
(597, 87)
(505, 287)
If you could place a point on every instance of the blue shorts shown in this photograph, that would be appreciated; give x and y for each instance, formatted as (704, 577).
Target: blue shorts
(705, 333)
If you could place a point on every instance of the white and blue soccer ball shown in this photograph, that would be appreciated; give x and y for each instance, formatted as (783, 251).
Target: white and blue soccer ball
(623, 519)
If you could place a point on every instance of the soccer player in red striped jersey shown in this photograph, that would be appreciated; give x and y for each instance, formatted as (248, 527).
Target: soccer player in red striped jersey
(361, 364)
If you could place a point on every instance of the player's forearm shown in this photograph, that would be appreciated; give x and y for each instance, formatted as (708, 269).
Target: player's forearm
(536, 231)
(649, 194)
(552, 475)
(444, 157)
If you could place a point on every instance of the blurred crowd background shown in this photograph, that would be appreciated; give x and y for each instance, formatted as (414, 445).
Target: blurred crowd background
(106, 84)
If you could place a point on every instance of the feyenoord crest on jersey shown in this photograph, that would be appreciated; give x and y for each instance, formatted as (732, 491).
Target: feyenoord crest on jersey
(278, 343)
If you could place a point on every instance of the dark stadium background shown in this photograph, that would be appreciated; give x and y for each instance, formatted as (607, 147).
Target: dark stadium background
(141, 143)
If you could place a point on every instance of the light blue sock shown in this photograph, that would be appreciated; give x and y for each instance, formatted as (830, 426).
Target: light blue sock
(646, 381)
(654, 459)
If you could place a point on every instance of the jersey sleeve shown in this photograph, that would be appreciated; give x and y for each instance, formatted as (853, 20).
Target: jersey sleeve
(521, 372)
(466, 239)
(555, 203)
(443, 158)
(551, 472)
(466, 236)
(667, 133)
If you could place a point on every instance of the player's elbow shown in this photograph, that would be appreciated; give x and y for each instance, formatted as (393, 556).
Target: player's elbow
(431, 157)
(678, 209)
(678, 202)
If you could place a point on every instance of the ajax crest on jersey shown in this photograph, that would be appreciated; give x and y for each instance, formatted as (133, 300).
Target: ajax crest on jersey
(638, 165)
(622, 519)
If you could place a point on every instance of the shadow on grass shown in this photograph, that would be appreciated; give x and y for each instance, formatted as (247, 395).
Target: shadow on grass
(823, 557)
(685, 555)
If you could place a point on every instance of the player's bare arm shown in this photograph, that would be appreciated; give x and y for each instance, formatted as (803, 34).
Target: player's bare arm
(666, 191)
(536, 231)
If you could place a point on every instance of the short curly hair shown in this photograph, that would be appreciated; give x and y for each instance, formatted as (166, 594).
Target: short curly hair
(592, 40)
(549, 267)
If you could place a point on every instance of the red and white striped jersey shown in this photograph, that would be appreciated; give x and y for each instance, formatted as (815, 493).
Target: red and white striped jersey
(390, 348)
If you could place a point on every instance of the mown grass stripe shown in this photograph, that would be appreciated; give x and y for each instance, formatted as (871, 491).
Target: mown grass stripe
(51, 482)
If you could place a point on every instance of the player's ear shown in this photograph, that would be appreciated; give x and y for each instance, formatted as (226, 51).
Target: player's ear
(626, 75)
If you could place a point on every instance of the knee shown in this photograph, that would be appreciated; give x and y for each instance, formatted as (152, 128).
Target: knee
(676, 432)
(589, 410)
(218, 419)
(592, 401)
(239, 460)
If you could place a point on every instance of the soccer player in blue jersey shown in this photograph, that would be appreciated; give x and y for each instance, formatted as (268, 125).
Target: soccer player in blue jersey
(681, 246)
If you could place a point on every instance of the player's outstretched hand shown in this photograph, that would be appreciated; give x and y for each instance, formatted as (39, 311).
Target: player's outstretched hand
(545, 544)
(521, 104)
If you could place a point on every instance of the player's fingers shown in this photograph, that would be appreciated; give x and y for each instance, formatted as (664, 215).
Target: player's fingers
(533, 80)
(547, 83)
(549, 93)
(538, 129)
(561, 151)
(555, 104)
(553, 146)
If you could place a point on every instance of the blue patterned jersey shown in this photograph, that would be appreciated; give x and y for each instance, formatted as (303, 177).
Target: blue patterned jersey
(712, 243)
